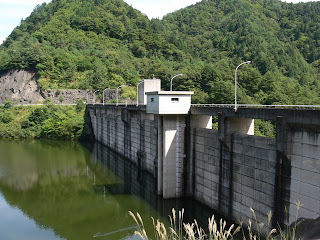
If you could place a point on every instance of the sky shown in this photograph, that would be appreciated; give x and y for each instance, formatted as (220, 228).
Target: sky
(12, 11)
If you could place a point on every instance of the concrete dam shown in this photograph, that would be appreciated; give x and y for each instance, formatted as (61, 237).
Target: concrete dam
(229, 169)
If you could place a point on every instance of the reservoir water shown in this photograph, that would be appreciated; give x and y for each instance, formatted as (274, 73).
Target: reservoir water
(61, 190)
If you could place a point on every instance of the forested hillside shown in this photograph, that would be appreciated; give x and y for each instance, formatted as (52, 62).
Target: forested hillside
(106, 43)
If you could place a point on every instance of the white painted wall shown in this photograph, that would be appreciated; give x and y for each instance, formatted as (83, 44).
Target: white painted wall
(148, 85)
(172, 157)
(162, 102)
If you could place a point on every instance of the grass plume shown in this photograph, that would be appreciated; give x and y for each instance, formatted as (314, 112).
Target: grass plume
(178, 230)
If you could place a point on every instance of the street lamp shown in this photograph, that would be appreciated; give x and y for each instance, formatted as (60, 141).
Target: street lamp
(172, 79)
(138, 92)
(94, 94)
(235, 85)
(118, 93)
(103, 95)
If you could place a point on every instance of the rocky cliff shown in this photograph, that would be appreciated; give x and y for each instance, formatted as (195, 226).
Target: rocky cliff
(21, 87)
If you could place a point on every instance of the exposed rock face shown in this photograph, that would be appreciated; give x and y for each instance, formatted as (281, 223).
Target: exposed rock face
(65, 96)
(70, 96)
(20, 87)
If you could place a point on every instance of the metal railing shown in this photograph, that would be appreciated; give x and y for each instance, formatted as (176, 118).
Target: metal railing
(258, 106)
(232, 106)
(41, 104)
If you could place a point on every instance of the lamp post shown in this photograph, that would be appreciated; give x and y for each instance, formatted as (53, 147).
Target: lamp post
(235, 85)
(103, 95)
(138, 92)
(172, 79)
(94, 94)
(118, 93)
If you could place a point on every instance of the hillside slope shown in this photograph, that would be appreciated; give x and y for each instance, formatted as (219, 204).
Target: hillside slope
(106, 43)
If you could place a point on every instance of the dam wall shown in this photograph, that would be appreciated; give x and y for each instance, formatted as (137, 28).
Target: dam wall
(245, 178)
(131, 134)
(229, 169)
(304, 179)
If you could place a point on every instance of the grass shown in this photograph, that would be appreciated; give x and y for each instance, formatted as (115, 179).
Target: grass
(178, 230)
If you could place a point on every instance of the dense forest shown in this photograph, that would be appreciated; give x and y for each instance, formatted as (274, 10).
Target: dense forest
(48, 121)
(95, 44)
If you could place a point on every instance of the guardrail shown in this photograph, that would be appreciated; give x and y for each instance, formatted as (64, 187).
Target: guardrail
(258, 106)
(113, 104)
(40, 104)
(226, 106)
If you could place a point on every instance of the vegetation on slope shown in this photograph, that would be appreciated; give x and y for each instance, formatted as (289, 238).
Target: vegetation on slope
(47, 121)
(106, 43)
(225, 33)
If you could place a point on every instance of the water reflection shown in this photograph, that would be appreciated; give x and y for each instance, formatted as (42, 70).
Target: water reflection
(15, 225)
(61, 190)
(134, 182)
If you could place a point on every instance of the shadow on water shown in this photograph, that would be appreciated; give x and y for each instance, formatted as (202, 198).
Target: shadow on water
(136, 182)
(115, 175)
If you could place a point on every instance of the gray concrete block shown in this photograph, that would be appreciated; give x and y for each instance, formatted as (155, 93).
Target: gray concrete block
(207, 183)
(312, 178)
(237, 148)
(207, 174)
(309, 202)
(247, 191)
(308, 164)
(247, 201)
(248, 181)
(199, 180)
(248, 171)
(267, 188)
(305, 137)
(237, 177)
(261, 197)
(267, 166)
(265, 209)
(309, 190)
(237, 197)
(263, 176)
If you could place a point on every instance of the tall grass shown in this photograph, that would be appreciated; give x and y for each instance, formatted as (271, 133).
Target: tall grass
(178, 230)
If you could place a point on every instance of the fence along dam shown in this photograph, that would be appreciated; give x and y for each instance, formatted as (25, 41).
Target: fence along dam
(229, 169)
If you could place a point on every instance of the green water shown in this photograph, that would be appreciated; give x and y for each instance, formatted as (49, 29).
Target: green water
(61, 190)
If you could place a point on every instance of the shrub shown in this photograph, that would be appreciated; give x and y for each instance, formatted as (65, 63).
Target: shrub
(80, 105)
(7, 103)
(48, 101)
(57, 93)
(6, 117)
(38, 115)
